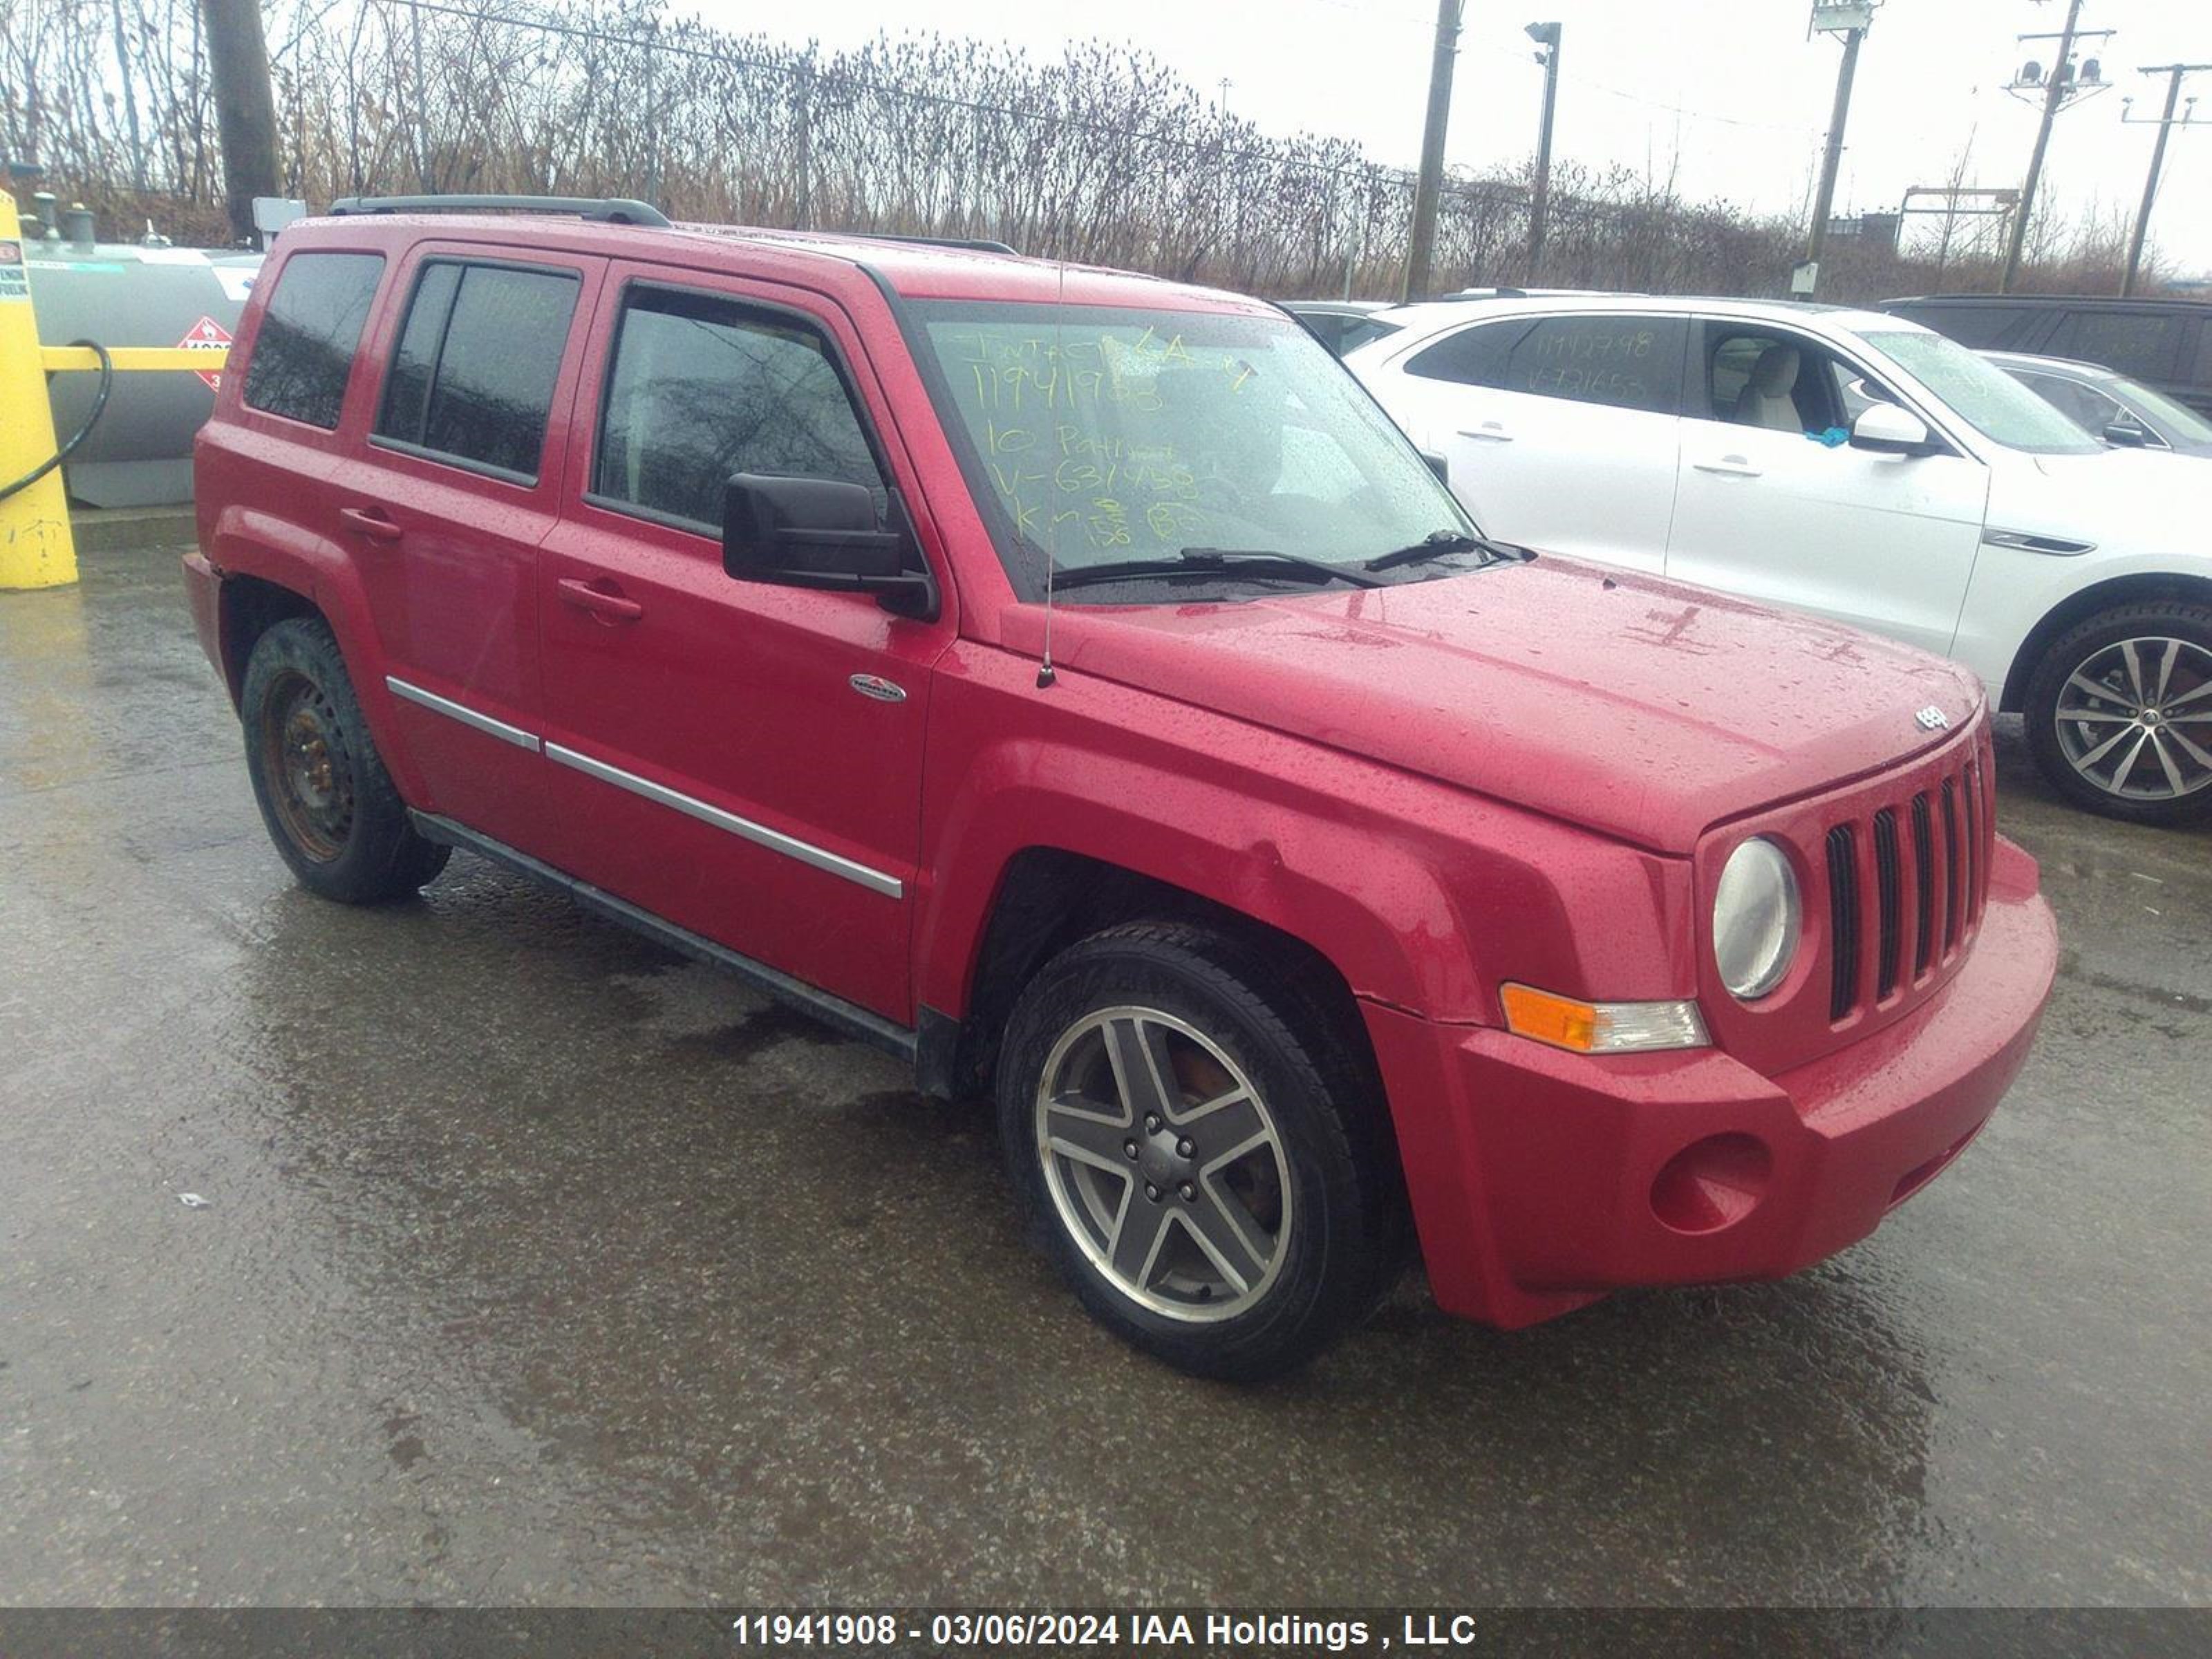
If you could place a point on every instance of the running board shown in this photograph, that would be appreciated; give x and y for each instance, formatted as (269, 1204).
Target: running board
(848, 1018)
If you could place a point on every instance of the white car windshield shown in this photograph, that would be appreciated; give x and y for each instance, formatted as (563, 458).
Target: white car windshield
(1104, 435)
(1981, 394)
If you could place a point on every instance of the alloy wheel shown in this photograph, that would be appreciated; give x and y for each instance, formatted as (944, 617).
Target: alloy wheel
(2135, 718)
(1165, 1164)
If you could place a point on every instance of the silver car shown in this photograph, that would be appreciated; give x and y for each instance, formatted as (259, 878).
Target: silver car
(2126, 413)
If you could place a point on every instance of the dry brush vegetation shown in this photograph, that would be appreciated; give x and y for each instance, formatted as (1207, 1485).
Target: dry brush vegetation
(1101, 155)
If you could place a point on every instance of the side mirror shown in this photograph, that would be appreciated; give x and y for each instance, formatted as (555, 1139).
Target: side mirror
(820, 533)
(2126, 435)
(1440, 466)
(1887, 429)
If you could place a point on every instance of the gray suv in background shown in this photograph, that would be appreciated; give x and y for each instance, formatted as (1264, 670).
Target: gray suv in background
(2165, 343)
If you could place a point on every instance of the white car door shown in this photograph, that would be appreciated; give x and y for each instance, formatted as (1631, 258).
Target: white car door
(1883, 542)
(1561, 433)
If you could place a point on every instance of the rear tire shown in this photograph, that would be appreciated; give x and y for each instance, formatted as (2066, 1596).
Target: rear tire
(2119, 712)
(1261, 1213)
(324, 795)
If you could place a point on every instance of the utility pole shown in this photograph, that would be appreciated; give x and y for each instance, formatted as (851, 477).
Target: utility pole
(1824, 198)
(1430, 186)
(245, 108)
(2054, 95)
(1546, 36)
(2166, 123)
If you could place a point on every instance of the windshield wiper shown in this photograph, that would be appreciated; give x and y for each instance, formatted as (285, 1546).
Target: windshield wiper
(1216, 562)
(1435, 546)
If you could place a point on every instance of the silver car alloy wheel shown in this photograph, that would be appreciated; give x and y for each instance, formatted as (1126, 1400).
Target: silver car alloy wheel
(1165, 1164)
(2135, 719)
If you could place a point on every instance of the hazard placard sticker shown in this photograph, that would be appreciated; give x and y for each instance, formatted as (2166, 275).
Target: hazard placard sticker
(206, 335)
(14, 280)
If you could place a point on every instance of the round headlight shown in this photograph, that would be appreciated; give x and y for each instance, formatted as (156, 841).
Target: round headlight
(1755, 919)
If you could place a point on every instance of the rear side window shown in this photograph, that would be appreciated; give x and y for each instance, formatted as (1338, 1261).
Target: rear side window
(704, 387)
(2142, 344)
(472, 377)
(1986, 328)
(304, 351)
(1621, 363)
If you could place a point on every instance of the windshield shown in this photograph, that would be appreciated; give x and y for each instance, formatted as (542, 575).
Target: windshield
(1102, 435)
(1980, 393)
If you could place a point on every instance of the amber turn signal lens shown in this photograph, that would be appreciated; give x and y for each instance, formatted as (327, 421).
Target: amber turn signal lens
(1601, 1028)
(1560, 1021)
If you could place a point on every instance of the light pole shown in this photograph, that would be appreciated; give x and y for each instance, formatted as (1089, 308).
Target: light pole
(1422, 241)
(1851, 22)
(2055, 88)
(1546, 36)
(2166, 123)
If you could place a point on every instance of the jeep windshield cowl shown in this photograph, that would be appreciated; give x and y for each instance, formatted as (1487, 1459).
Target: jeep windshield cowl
(1095, 436)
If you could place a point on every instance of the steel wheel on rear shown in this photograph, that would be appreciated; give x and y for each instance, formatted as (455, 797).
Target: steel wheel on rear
(2134, 719)
(305, 761)
(1165, 1164)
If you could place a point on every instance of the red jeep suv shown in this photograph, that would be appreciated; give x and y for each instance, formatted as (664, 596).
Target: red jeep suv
(1072, 682)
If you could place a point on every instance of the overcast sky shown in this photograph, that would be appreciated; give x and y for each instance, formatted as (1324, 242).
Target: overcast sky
(1730, 90)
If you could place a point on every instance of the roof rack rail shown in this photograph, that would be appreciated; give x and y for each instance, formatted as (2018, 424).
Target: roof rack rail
(974, 243)
(609, 210)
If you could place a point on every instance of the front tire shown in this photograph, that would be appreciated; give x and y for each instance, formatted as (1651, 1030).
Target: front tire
(1206, 1160)
(324, 795)
(2119, 712)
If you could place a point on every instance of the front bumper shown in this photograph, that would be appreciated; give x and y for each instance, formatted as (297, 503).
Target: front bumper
(1540, 1179)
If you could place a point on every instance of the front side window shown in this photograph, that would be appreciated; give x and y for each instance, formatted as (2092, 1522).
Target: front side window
(2176, 420)
(1784, 381)
(1094, 434)
(1980, 393)
(303, 354)
(703, 388)
(472, 377)
(2085, 406)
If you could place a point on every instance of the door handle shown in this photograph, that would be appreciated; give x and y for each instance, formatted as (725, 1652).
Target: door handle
(1735, 466)
(601, 602)
(370, 521)
(1490, 431)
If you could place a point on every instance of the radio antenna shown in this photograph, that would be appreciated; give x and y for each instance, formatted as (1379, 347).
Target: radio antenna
(1047, 678)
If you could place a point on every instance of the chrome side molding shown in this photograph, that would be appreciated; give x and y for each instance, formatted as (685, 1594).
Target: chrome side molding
(463, 712)
(759, 834)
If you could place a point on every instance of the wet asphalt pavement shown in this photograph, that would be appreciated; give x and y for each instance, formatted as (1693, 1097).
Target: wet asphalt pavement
(537, 1265)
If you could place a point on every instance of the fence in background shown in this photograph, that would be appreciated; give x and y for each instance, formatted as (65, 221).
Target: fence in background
(1103, 154)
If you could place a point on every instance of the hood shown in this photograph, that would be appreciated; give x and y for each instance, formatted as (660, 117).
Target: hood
(1644, 710)
(2119, 500)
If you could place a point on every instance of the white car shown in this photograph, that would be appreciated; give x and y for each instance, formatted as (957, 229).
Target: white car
(1853, 464)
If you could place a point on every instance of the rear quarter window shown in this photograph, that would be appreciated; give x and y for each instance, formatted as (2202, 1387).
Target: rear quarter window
(303, 353)
(1473, 356)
